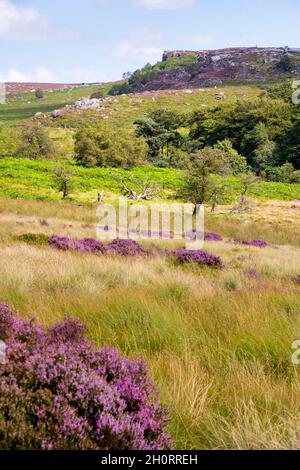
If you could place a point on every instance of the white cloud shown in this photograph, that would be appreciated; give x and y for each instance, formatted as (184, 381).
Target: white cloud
(142, 46)
(27, 23)
(163, 4)
(40, 74)
(127, 50)
(17, 21)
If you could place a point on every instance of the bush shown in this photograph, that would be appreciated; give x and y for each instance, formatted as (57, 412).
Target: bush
(98, 95)
(35, 143)
(126, 248)
(39, 94)
(106, 146)
(200, 257)
(57, 392)
(34, 238)
(256, 243)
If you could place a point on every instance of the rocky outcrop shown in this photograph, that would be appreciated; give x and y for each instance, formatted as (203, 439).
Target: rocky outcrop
(212, 67)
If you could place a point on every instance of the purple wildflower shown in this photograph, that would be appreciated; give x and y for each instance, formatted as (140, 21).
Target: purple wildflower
(62, 243)
(90, 245)
(256, 243)
(200, 257)
(126, 248)
(58, 392)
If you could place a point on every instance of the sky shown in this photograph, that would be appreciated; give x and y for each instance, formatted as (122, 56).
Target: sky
(73, 41)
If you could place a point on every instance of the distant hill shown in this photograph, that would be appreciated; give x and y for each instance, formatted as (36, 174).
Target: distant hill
(18, 87)
(196, 69)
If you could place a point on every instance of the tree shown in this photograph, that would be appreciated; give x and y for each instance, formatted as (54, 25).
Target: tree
(107, 146)
(39, 93)
(236, 162)
(199, 175)
(160, 129)
(262, 147)
(286, 64)
(247, 182)
(35, 143)
(63, 178)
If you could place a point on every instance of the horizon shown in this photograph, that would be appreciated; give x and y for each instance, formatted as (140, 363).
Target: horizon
(98, 41)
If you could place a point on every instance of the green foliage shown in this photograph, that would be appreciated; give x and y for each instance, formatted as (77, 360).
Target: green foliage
(140, 77)
(254, 127)
(160, 130)
(9, 141)
(63, 179)
(236, 162)
(286, 64)
(283, 174)
(35, 143)
(34, 238)
(199, 182)
(281, 91)
(260, 147)
(106, 146)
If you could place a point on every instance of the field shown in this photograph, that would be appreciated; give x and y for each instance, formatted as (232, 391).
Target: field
(218, 343)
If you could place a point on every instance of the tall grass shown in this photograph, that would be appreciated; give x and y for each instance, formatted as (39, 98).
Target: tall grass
(218, 343)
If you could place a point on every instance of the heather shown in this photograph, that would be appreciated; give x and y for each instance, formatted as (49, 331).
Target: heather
(200, 257)
(217, 342)
(57, 391)
(255, 243)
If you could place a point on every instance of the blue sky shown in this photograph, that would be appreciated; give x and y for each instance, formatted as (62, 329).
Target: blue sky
(98, 40)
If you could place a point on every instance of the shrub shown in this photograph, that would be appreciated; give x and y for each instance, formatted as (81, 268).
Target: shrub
(256, 243)
(212, 237)
(57, 392)
(90, 245)
(126, 248)
(36, 143)
(34, 238)
(39, 94)
(98, 95)
(200, 257)
(107, 146)
(62, 243)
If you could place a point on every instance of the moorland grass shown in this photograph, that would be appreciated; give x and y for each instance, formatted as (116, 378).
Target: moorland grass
(218, 343)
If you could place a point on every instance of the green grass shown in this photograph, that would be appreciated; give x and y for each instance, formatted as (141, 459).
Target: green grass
(26, 105)
(30, 179)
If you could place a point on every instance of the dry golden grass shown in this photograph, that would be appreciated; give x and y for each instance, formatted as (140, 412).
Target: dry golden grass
(218, 343)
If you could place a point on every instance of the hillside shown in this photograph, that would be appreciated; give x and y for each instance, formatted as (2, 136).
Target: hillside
(194, 69)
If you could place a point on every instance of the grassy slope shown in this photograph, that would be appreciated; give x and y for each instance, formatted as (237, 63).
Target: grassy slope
(218, 343)
(25, 105)
(21, 178)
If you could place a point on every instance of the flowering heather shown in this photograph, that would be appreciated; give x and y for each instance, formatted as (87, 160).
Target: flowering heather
(212, 237)
(90, 245)
(58, 392)
(200, 257)
(126, 248)
(208, 236)
(257, 243)
(62, 243)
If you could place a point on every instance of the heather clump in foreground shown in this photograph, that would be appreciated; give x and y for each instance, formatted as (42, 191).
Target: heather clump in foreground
(255, 243)
(58, 392)
(200, 257)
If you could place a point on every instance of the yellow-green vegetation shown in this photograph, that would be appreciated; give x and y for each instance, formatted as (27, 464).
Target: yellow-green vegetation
(33, 179)
(218, 343)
